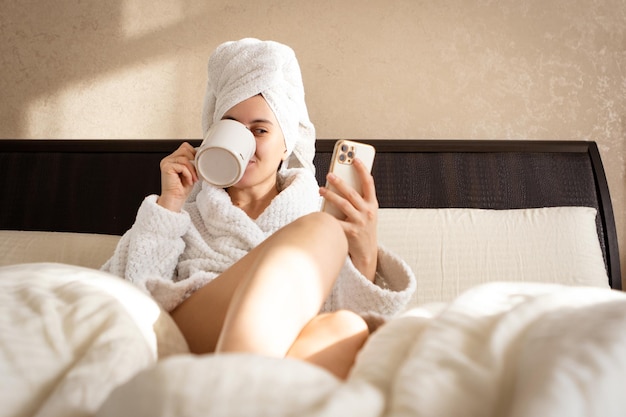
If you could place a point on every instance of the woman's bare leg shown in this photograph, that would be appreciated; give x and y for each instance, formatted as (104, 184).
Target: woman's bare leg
(332, 341)
(264, 301)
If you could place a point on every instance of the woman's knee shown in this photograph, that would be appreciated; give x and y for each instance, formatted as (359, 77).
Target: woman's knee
(332, 341)
(346, 322)
(325, 220)
(325, 225)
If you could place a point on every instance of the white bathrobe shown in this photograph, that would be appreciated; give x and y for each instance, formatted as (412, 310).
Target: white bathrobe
(170, 255)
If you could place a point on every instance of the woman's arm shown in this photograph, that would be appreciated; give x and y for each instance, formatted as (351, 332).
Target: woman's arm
(152, 246)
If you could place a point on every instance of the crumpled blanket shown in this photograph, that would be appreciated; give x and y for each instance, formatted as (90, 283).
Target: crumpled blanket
(500, 349)
(504, 349)
(79, 342)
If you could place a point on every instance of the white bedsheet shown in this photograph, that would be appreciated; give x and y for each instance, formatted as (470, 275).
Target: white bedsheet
(77, 342)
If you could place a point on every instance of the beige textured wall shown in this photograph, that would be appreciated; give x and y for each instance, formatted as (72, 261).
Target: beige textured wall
(541, 69)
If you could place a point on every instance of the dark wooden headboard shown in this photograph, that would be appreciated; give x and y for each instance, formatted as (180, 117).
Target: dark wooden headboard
(96, 186)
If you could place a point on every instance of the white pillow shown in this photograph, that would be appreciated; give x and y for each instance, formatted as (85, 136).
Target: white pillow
(451, 250)
(90, 250)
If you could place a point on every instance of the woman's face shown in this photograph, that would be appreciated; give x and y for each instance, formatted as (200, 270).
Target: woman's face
(259, 118)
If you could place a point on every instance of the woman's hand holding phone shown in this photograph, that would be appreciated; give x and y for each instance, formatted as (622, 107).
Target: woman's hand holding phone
(350, 195)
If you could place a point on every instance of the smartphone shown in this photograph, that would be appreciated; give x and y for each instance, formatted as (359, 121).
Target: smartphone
(344, 153)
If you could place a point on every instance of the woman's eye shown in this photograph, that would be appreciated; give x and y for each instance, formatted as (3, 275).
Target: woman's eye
(259, 131)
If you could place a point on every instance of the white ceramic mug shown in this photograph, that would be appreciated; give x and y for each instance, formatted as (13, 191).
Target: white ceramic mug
(224, 154)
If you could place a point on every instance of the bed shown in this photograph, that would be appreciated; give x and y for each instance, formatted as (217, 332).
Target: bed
(518, 309)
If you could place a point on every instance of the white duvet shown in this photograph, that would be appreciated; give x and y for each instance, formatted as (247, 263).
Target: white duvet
(78, 342)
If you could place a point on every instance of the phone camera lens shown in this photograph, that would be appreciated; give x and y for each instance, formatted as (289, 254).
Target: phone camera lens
(350, 154)
(344, 148)
(342, 157)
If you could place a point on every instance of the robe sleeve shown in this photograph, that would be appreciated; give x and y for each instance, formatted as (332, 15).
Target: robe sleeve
(152, 246)
(388, 295)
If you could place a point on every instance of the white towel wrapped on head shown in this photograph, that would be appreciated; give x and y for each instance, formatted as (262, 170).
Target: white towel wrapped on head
(242, 69)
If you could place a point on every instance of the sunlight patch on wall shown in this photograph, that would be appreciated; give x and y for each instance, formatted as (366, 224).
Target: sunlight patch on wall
(142, 17)
(134, 102)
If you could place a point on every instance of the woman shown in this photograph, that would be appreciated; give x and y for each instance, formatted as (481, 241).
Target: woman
(255, 267)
